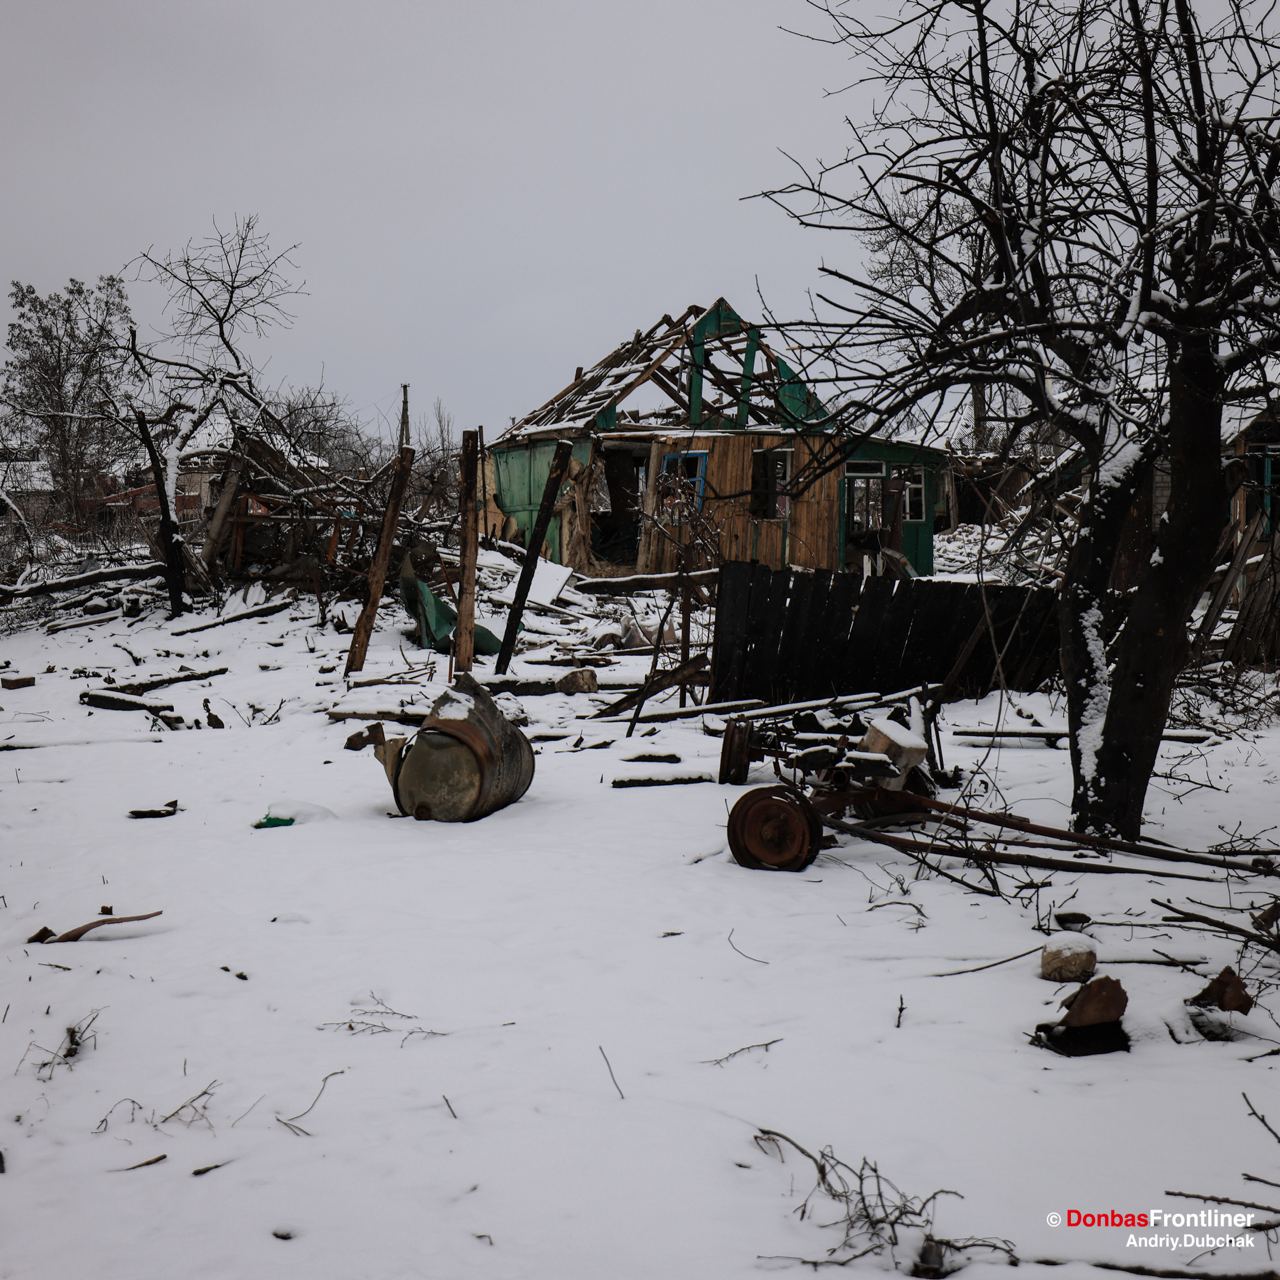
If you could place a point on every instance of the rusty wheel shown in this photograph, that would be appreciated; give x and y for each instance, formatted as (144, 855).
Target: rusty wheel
(774, 829)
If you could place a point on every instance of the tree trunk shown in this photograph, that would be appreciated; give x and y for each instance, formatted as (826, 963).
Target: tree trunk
(1118, 696)
(167, 535)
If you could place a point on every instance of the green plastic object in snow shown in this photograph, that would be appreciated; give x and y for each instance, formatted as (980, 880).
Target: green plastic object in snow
(437, 619)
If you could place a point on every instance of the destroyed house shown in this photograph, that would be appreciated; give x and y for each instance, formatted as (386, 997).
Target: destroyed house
(695, 441)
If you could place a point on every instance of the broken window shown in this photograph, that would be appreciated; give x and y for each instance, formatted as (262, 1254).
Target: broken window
(770, 471)
(684, 477)
(863, 497)
(912, 492)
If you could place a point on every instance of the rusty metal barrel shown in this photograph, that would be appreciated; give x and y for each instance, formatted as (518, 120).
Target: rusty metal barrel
(466, 761)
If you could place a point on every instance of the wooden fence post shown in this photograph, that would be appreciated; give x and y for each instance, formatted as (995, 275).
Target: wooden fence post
(464, 636)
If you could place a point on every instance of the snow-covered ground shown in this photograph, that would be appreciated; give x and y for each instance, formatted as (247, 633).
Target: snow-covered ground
(395, 1049)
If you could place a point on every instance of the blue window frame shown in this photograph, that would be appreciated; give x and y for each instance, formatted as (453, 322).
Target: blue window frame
(688, 468)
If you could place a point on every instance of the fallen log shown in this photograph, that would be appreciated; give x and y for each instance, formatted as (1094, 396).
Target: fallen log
(137, 687)
(120, 573)
(1193, 736)
(259, 611)
(71, 624)
(105, 700)
(74, 935)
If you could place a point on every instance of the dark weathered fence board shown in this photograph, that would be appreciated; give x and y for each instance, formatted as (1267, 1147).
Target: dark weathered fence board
(863, 637)
(791, 652)
(729, 653)
(789, 635)
(765, 617)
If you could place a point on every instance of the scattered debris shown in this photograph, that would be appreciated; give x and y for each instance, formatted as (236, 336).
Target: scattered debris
(167, 811)
(1091, 1023)
(142, 1164)
(1226, 992)
(1068, 957)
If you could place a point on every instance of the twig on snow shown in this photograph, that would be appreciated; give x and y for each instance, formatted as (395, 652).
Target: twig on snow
(291, 1122)
(742, 953)
(746, 1048)
(612, 1077)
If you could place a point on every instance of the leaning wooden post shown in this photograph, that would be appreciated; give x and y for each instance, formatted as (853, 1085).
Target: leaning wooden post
(555, 478)
(485, 531)
(464, 636)
(686, 605)
(378, 568)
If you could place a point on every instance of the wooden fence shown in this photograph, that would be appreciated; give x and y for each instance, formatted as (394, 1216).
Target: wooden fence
(787, 635)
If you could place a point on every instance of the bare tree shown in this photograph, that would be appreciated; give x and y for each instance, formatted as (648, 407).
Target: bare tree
(67, 355)
(222, 291)
(1095, 181)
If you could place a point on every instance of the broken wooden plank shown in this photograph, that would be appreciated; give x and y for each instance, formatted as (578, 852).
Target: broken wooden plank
(657, 683)
(690, 713)
(644, 582)
(378, 567)
(555, 477)
(679, 780)
(400, 715)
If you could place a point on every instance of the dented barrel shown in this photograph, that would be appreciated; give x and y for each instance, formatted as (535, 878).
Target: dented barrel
(466, 761)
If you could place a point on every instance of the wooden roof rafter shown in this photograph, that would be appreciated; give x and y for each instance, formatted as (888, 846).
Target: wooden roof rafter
(706, 350)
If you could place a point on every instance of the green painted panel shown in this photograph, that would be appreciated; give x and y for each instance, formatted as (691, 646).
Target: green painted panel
(520, 475)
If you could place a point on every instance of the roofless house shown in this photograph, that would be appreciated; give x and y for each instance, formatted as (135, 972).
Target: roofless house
(696, 438)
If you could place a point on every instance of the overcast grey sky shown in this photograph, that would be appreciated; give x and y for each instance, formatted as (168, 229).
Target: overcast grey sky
(484, 194)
